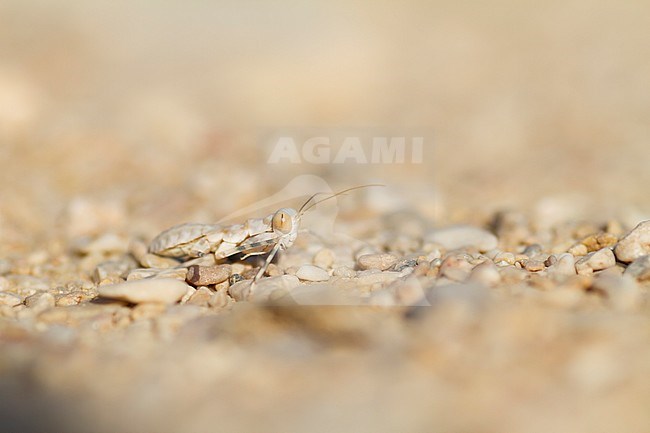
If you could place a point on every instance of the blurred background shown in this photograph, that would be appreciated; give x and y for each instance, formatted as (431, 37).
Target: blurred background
(156, 107)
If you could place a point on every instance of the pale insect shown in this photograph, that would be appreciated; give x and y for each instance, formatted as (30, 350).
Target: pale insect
(257, 236)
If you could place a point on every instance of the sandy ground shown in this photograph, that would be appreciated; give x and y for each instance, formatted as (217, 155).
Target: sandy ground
(119, 121)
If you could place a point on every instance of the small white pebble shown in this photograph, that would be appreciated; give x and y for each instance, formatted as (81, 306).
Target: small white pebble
(158, 290)
(312, 273)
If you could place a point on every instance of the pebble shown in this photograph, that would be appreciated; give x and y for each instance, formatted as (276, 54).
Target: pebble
(635, 244)
(40, 301)
(639, 269)
(373, 276)
(200, 297)
(158, 290)
(154, 261)
(344, 272)
(456, 237)
(324, 258)
(564, 264)
(112, 268)
(596, 261)
(220, 298)
(382, 261)
(312, 273)
(9, 300)
(455, 268)
(622, 292)
(206, 275)
(534, 265)
(486, 273)
(265, 288)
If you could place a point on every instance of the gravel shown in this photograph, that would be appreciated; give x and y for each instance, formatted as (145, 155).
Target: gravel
(158, 290)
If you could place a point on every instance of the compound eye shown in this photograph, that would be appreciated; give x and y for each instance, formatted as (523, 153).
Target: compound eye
(282, 222)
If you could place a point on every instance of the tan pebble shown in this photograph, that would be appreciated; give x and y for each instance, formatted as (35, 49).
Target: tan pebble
(599, 241)
(596, 261)
(190, 291)
(273, 270)
(578, 250)
(220, 298)
(486, 273)
(200, 297)
(324, 258)
(9, 300)
(158, 290)
(511, 274)
(154, 261)
(138, 250)
(112, 268)
(344, 272)
(312, 273)
(373, 276)
(534, 265)
(456, 268)
(240, 290)
(381, 261)
(110, 280)
(635, 244)
(206, 275)
(72, 298)
(238, 267)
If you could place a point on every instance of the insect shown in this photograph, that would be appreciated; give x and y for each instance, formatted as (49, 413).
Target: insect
(257, 236)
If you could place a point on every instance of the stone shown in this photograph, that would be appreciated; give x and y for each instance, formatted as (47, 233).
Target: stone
(486, 273)
(9, 300)
(345, 272)
(596, 261)
(460, 236)
(534, 265)
(40, 301)
(312, 273)
(563, 264)
(382, 261)
(635, 244)
(639, 269)
(200, 297)
(154, 290)
(207, 275)
(455, 268)
(324, 258)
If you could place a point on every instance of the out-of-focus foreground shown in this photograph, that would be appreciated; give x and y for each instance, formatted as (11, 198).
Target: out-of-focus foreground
(119, 120)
